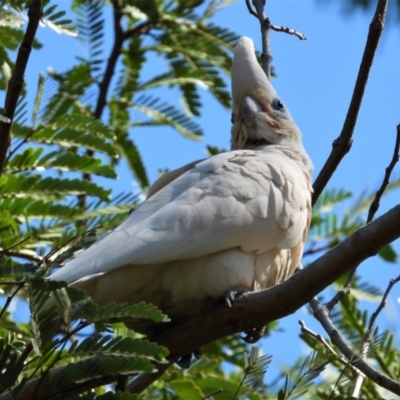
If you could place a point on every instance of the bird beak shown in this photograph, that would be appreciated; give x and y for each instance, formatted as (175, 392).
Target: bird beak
(248, 79)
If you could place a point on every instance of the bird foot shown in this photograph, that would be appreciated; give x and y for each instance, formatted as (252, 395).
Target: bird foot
(233, 293)
(253, 335)
(298, 268)
(185, 361)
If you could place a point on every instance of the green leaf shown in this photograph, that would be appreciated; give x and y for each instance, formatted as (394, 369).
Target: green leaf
(91, 28)
(84, 370)
(35, 187)
(115, 346)
(38, 99)
(186, 389)
(388, 253)
(142, 310)
(51, 18)
(77, 163)
(164, 114)
(133, 158)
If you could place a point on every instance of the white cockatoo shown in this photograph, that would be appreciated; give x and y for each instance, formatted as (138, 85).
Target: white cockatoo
(235, 220)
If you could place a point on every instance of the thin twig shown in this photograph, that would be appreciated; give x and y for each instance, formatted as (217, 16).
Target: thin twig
(358, 381)
(375, 204)
(209, 396)
(18, 146)
(29, 257)
(9, 252)
(342, 144)
(289, 31)
(265, 25)
(112, 60)
(367, 337)
(321, 313)
(16, 245)
(320, 339)
(104, 85)
(337, 297)
(317, 336)
(372, 210)
(382, 305)
(119, 37)
(316, 249)
(16, 82)
(18, 364)
(251, 9)
(10, 298)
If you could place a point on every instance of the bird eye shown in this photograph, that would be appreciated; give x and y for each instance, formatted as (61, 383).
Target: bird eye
(278, 105)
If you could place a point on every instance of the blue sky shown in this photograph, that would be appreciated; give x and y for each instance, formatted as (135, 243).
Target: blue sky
(315, 78)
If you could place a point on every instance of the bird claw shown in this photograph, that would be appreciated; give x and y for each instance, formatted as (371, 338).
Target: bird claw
(254, 335)
(185, 361)
(232, 294)
(198, 354)
(298, 268)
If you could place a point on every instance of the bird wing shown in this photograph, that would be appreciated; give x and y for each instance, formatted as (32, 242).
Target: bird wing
(244, 199)
(166, 178)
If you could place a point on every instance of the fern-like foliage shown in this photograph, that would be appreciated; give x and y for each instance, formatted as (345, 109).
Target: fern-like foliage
(78, 123)
(255, 368)
(298, 381)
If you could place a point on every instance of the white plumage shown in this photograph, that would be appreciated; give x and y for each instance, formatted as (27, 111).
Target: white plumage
(236, 219)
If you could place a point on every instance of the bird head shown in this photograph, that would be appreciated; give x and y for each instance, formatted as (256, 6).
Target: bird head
(259, 116)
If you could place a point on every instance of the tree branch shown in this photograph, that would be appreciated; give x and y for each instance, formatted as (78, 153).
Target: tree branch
(106, 81)
(112, 60)
(119, 37)
(372, 210)
(29, 257)
(375, 204)
(327, 346)
(342, 144)
(321, 313)
(367, 337)
(265, 25)
(289, 31)
(16, 81)
(256, 309)
(251, 310)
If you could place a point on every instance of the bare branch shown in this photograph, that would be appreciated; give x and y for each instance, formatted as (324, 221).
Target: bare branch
(320, 339)
(316, 249)
(251, 9)
(375, 204)
(342, 144)
(119, 37)
(367, 337)
(112, 60)
(265, 25)
(16, 81)
(257, 309)
(321, 313)
(346, 289)
(381, 306)
(372, 210)
(29, 257)
(288, 31)
(10, 298)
